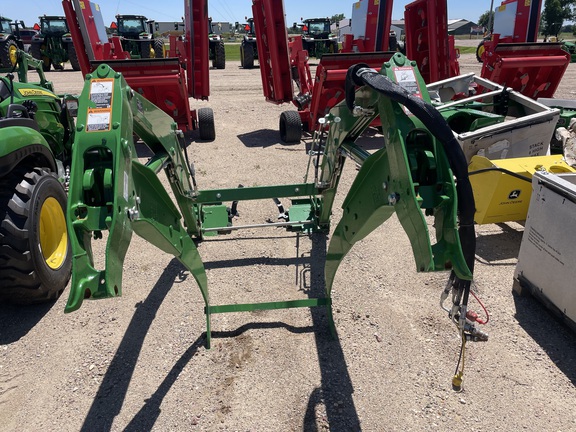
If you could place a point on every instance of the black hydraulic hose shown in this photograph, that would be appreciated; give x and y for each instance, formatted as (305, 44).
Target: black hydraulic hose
(360, 75)
(502, 170)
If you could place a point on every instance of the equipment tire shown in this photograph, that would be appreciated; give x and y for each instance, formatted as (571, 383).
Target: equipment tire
(290, 127)
(159, 48)
(206, 124)
(145, 50)
(8, 53)
(479, 51)
(220, 56)
(36, 52)
(35, 255)
(247, 55)
(73, 56)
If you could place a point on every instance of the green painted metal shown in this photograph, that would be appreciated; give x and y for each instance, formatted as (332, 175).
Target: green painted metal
(111, 191)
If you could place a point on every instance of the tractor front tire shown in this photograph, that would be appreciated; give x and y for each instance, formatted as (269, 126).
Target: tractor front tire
(73, 56)
(36, 52)
(220, 56)
(8, 53)
(247, 56)
(35, 255)
(206, 124)
(479, 51)
(290, 127)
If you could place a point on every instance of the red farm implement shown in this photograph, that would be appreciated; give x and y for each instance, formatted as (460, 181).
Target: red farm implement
(166, 82)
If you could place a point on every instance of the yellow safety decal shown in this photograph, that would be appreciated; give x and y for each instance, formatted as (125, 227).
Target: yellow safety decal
(98, 120)
(527, 2)
(36, 92)
(502, 8)
(357, 5)
(82, 6)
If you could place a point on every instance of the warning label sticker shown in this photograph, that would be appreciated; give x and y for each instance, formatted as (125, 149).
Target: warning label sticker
(98, 120)
(101, 92)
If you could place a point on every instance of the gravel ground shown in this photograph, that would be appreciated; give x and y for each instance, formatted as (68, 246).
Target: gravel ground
(138, 362)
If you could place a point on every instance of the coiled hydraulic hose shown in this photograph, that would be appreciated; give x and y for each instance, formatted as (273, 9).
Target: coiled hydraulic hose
(360, 75)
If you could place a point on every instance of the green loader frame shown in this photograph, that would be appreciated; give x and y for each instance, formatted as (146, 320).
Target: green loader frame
(420, 171)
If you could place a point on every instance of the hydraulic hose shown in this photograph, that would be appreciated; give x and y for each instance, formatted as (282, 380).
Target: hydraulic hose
(360, 75)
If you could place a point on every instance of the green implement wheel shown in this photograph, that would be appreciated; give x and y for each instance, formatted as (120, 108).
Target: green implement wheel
(35, 255)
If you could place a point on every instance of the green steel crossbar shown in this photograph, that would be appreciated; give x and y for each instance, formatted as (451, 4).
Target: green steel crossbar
(256, 193)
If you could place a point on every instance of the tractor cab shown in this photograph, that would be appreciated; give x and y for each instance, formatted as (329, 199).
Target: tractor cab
(317, 37)
(53, 26)
(130, 26)
(316, 28)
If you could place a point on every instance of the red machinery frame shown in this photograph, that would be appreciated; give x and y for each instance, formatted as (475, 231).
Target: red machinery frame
(166, 82)
(514, 58)
(376, 34)
(283, 60)
(427, 41)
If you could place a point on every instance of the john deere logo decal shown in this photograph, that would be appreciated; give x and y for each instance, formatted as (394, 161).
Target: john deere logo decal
(514, 194)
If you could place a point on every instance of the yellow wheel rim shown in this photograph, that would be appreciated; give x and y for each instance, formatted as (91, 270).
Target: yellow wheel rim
(481, 51)
(13, 54)
(53, 235)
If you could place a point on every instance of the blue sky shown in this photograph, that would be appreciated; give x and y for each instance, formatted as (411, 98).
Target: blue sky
(223, 10)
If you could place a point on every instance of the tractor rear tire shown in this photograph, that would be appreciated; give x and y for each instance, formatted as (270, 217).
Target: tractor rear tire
(8, 53)
(220, 56)
(159, 48)
(145, 50)
(35, 255)
(290, 127)
(206, 124)
(73, 56)
(247, 56)
(36, 52)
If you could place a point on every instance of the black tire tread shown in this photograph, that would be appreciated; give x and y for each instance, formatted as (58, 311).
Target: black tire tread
(73, 56)
(206, 124)
(220, 56)
(248, 56)
(19, 281)
(290, 127)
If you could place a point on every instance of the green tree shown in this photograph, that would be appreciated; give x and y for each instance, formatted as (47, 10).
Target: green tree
(485, 19)
(336, 18)
(552, 18)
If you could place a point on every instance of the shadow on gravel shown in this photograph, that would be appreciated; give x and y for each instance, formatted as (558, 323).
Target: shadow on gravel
(260, 138)
(112, 392)
(555, 338)
(500, 246)
(336, 391)
(16, 321)
(335, 395)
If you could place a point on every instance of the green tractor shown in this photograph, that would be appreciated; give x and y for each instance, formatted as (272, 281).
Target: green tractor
(9, 41)
(53, 44)
(36, 135)
(137, 36)
(317, 38)
(216, 51)
(248, 46)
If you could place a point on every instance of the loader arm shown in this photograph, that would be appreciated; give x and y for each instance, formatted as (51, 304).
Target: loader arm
(110, 190)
